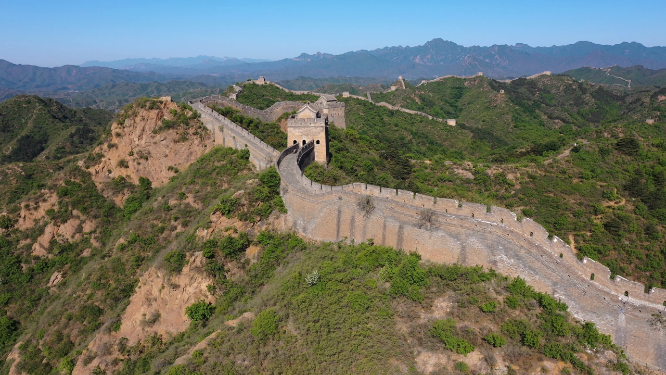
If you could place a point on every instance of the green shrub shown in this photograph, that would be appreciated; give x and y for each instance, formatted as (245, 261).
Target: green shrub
(8, 331)
(271, 179)
(445, 331)
(199, 311)
(622, 367)
(512, 301)
(555, 350)
(532, 338)
(209, 248)
(461, 366)
(227, 205)
(175, 260)
(489, 307)
(244, 154)
(556, 324)
(495, 340)
(265, 325)
(408, 277)
(6, 222)
(232, 247)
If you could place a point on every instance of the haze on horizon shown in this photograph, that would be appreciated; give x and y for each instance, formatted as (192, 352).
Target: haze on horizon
(51, 34)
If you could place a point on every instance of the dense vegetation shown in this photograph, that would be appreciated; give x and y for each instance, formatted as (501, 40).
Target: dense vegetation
(113, 272)
(32, 127)
(264, 96)
(346, 319)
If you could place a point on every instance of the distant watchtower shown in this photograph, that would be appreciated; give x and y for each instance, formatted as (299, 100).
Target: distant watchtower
(328, 105)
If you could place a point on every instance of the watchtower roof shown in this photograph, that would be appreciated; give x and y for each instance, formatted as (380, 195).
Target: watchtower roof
(329, 98)
(307, 111)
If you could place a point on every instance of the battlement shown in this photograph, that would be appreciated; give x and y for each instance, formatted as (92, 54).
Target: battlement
(269, 114)
(229, 134)
(306, 121)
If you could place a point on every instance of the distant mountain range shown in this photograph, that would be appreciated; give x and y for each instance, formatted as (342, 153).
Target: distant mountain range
(439, 57)
(435, 58)
(174, 65)
(67, 77)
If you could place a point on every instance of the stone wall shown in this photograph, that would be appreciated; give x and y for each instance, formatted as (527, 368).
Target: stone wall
(266, 115)
(473, 234)
(228, 134)
(336, 116)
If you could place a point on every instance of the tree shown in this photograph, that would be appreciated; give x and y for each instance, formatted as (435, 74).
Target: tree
(199, 311)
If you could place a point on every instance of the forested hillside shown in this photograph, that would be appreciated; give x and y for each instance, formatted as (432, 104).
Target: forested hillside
(32, 127)
(577, 158)
(198, 276)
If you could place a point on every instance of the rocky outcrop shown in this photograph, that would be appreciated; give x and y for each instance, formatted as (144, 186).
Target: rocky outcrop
(70, 231)
(138, 148)
(157, 307)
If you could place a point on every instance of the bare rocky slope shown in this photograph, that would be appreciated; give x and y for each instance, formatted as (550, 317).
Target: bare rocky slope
(141, 147)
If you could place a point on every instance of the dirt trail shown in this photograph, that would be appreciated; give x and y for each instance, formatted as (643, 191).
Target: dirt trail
(572, 243)
(613, 203)
(566, 152)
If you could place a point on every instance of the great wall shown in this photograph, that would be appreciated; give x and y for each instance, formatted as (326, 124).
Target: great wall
(449, 231)
(261, 81)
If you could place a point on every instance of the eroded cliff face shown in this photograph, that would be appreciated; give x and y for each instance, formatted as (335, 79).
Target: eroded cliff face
(76, 228)
(156, 308)
(142, 146)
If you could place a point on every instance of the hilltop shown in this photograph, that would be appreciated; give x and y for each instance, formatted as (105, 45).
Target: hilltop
(32, 127)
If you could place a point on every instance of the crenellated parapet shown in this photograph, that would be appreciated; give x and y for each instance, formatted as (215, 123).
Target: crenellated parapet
(491, 215)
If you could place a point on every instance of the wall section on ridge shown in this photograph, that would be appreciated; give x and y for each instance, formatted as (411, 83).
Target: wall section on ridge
(228, 134)
(266, 115)
(474, 234)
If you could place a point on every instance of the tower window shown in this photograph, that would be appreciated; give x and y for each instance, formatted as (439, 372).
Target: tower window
(304, 142)
(295, 141)
(317, 141)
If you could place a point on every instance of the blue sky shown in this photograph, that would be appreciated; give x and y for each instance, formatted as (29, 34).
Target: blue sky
(54, 33)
